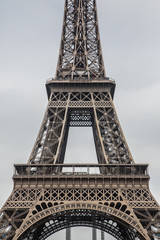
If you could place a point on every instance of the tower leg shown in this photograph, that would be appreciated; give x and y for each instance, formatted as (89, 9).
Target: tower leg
(94, 234)
(68, 233)
(102, 235)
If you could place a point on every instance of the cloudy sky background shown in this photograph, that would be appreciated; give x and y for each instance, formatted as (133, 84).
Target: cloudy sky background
(30, 34)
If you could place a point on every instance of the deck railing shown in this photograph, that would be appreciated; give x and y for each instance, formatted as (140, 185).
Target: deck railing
(80, 169)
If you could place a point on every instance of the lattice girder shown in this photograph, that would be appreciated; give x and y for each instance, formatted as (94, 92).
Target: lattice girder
(45, 211)
(48, 195)
(10, 221)
(74, 108)
(83, 217)
(81, 108)
(38, 202)
(80, 53)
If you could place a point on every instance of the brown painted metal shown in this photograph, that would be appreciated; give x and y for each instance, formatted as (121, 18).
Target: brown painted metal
(112, 195)
(80, 55)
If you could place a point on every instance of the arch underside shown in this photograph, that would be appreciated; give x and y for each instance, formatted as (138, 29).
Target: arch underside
(81, 217)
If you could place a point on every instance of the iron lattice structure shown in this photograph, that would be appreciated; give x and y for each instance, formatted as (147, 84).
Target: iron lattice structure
(80, 54)
(112, 195)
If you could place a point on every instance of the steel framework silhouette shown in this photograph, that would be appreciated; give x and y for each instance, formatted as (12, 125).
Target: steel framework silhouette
(112, 195)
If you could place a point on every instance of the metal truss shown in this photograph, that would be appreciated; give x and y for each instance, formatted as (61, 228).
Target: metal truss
(39, 226)
(112, 195)
(80, 55)
(82, 218)
(94, 109)
(115, 183)
(30, 211)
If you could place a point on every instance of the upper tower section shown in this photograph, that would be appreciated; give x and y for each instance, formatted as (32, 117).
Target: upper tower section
(80, 55)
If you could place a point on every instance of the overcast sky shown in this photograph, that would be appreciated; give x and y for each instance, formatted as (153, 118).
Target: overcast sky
(30, 34)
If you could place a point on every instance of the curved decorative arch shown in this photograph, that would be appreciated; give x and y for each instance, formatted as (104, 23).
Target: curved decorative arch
(44, 215)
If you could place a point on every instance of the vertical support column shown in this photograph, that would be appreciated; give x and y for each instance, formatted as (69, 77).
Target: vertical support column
(102, 235)
(94, 234)
(101, 154)
(51, 141)
(68, 233)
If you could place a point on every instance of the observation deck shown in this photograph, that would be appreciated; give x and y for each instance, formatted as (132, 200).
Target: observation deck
(80, 175)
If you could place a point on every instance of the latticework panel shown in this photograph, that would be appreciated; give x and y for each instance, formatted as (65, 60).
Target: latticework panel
(81, 218)
(25, 195)
(114, 143)
(81, 109)
(47, 199)
(52, 133)
(80, 52)
(81, 195)
(125, 202)
(44, 212)
(59, 195)
(150, 220)
(146, 209)
(10, 221)
(110, 200)
(23, 198)
(139, 198)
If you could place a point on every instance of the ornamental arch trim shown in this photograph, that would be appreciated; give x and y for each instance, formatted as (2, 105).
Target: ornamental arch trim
(106, 212)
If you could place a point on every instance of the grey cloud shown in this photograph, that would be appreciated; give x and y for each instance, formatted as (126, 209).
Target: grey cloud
(29, 45)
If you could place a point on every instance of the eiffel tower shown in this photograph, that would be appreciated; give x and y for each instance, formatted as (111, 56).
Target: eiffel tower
(112, 195)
